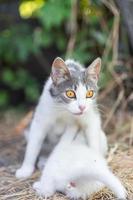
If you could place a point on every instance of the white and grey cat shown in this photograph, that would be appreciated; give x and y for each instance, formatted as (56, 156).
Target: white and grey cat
(76, 170)
(69, 97)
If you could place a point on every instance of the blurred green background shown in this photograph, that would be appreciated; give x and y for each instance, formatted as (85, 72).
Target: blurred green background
(34, 32)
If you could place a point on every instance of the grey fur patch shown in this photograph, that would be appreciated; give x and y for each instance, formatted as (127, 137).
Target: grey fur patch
(57, 91)
(74, 67)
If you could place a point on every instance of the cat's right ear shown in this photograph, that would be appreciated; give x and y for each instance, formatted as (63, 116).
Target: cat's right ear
(59, 71)
(93, 71)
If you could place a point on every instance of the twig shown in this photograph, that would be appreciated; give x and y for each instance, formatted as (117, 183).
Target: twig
(73, 28)
(112, 42)
(111, 153)
(127, 100)
(107, 90)
(120, 97)
(107, 48)
(131, 133)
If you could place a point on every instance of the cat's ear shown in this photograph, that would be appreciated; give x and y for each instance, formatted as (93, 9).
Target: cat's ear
(93, 70)
(59, 71)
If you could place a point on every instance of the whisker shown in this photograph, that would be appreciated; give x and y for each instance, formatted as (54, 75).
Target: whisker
(100, 109)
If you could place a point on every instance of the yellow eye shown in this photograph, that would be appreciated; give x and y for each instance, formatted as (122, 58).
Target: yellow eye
(70, 94)
(89, 93)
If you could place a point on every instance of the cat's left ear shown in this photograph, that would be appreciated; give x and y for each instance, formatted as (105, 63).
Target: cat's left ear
(59, 71)
(93, 70)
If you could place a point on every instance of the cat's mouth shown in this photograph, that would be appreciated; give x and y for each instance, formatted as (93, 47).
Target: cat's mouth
(78, 113)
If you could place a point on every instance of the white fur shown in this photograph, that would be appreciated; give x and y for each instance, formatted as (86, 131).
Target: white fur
(73, 161)
(49, 115)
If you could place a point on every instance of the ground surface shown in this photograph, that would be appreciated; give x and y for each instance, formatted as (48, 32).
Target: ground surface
(12, 147)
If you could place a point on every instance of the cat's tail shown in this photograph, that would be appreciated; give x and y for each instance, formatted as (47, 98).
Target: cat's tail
(104, 176)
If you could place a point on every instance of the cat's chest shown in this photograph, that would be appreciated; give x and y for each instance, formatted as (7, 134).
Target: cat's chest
(62, 122)
(68, 120)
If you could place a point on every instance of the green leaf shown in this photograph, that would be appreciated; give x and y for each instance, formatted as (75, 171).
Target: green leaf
(8, 76)
(32, 92)
(54, 12)
(4, 98)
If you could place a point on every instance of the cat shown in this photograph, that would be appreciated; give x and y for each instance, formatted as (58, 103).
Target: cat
(76, 170)
(68, 97)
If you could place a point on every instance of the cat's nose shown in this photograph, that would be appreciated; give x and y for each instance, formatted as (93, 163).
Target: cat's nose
(82, 108)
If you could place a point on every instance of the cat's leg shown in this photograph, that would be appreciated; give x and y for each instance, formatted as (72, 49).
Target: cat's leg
(98, 141)
(38, 131)
(113, 183)
(46, 185)
(103, 143)
(54, 181)
(95, 136)
(32, 150)
(84, 189)
(45, 188)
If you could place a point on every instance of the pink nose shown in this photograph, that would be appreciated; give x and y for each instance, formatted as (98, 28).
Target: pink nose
(81, 108)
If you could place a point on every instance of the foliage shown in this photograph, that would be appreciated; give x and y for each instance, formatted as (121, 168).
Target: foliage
(17, 43)
(52, 30)
(19, 80)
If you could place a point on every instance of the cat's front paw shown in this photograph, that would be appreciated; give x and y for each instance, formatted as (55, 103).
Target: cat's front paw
(42, 190)
(24, 172)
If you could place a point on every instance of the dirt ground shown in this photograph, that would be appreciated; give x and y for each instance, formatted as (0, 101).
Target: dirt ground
(12, 147)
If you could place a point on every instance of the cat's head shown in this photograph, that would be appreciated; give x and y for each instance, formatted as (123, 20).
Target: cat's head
(73, 87)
